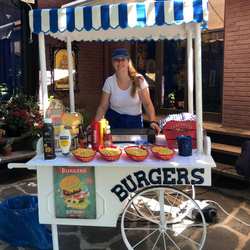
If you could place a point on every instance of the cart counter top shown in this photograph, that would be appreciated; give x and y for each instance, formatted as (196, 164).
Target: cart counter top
(196, 160)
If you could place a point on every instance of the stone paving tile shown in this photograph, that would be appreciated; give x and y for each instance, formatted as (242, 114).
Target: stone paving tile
(70, 242)
(9, 192)
(247, 245)
(105, 233)
(67, 229)
(220, 238)
(29, 187)
(239, 227)
(227, 203)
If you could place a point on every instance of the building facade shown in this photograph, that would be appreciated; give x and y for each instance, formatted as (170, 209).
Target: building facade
(236, 90)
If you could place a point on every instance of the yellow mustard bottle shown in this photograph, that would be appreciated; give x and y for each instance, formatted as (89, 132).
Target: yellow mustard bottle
(65, 140)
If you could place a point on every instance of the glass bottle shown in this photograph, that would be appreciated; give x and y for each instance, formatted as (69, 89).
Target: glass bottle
(65, 140)
(107, 139)
(48, 140)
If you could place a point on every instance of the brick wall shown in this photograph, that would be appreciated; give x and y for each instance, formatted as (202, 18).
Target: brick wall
(52, 3)
(236, 92)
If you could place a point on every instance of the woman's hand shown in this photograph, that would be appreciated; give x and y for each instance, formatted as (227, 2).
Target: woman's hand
(154, 125)
(103, 106)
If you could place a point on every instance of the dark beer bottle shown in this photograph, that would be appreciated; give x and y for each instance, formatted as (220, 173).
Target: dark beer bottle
(48, 140)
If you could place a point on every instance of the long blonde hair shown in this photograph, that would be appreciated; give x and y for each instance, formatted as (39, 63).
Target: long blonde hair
(133, 74)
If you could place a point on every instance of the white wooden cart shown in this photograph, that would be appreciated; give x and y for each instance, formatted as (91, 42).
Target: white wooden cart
(165, 213)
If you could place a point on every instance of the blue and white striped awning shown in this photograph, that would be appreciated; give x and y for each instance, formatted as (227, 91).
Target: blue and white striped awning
(140, 21)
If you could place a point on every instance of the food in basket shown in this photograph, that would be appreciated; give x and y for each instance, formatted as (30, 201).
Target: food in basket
(136, 153)
(110, 153)
(162, 152)
(73, 195)
(84, 154)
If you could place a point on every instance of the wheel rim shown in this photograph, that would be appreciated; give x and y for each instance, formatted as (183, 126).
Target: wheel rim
(171, 225)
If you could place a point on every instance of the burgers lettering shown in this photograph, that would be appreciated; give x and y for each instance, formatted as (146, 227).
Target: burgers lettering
(157, 176)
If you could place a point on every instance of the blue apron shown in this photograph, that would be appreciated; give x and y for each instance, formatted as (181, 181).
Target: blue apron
(117, 120)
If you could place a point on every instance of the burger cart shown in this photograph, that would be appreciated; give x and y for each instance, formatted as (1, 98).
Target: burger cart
(152, 197)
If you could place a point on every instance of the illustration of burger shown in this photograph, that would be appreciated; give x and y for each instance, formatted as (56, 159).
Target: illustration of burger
(73, 195)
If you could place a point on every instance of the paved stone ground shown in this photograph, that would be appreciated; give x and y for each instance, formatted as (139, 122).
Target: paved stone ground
(225, 234)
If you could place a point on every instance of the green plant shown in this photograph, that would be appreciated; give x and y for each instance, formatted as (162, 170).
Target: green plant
(22, 115)
(86, 119)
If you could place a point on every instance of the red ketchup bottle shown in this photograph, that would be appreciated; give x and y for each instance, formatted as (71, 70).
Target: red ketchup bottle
(107, 137)
(95, 134)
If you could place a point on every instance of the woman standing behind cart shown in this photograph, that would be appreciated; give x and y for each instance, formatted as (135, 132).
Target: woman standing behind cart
(123, 94)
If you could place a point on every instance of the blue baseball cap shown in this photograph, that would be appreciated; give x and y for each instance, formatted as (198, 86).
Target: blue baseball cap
(120, 53)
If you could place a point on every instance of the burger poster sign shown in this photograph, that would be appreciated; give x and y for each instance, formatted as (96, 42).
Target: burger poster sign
(74, 192)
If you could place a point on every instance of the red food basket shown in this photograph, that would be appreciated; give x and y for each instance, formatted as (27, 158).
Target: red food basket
(158, 155)
(172, 129)
(110, 157)
(83, 158)
(134, 157)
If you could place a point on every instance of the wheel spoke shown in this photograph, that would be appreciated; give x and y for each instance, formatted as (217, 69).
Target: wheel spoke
(164, 242)
(137, 244)
(140, 228)
(187, 225)
(150, 211)
(156, 241)
(145, 218)
(172, 241)
(185, 237)
(171, 203)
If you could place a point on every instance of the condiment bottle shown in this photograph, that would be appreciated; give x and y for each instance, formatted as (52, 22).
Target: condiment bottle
(95, 134)
(103, 124)
(107, 139)
(48, 140)
(82, 137)
(65, 140)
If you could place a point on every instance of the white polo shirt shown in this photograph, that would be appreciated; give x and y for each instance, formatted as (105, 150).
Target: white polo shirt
(121, 101)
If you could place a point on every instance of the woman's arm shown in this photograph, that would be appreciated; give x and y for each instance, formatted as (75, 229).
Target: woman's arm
(103, 106)
(148, 105)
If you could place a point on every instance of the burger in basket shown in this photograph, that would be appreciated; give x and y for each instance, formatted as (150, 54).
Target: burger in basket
(111, 153)
(136, 153)
(73, 195)
(162, 152)
(84, 154)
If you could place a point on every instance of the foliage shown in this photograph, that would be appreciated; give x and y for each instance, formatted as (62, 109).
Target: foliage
(21, 115)
(86, 119)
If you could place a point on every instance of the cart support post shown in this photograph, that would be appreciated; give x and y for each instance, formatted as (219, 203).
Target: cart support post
(71, 81)
(55, 237)
(198, 88)
(162, 208)
(190, 71)
(43, 69)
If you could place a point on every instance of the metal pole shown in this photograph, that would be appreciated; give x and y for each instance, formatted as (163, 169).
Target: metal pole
(198, 88)
(44, 88)
(190, 71)
(71, 81)
(162, 209)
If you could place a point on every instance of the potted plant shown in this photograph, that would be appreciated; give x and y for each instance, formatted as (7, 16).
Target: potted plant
(21, 118)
